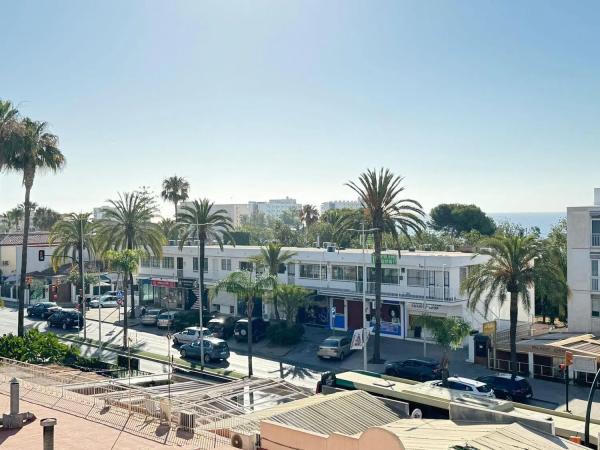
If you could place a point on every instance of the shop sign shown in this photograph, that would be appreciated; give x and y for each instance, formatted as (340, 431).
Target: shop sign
(188, 283)
(385, 259)
(164, 283)
(584, 364)
(423, 306)
(489, 328)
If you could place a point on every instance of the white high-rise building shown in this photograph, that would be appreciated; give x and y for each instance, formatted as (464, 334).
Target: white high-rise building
(234, 210)
(273, 208)
(340, 204)
(583, 266)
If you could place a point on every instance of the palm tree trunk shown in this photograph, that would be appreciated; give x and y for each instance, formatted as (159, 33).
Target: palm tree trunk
(275, 310)
(201, 269)
(445, 364)
(249, 309)
(514, 310)
(376, 345)
(132, 295)
(23, 277)
(82, 284)
(125, 325)
(175, 203)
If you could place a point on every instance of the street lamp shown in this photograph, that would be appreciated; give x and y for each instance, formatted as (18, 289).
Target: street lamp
(364, 287)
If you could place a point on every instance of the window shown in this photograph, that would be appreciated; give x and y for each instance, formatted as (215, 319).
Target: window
(596, 233)
(145, 262)
(415, 277)
(344, 273)
(231, 309)
(155, 262)
(226, 264)
(246, 265)
(595, 278)
(195, 264)
(168, 262)
(313, 271)
(388, 276)
(595, 305)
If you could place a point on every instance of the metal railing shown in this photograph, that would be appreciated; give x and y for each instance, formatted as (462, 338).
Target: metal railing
(595, 239)
(539, 370)
(595, 284)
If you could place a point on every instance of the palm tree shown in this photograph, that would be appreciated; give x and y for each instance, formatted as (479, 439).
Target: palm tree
(127, 225)
(200, 222)
(273, 257)
(386, 212)
(169, 229)
(14, 217)
(27, 147)
(45, 218)
(509, 270)
(72, 236)
(248, 288)
(291, 298)
(175, 189)
(308, 215)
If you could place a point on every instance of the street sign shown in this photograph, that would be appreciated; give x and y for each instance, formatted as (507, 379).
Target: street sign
(584, 364)
(357, 339)
(385, 259)
(120, 295)
(489, 328)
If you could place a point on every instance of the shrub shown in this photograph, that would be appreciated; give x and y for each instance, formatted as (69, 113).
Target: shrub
(283, 334)
(36, 347)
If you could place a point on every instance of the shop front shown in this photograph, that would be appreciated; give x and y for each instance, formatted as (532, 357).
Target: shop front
(316, 312)
(166, 293)
(416, 309)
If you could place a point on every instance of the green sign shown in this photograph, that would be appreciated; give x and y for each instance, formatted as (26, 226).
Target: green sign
(385, 259)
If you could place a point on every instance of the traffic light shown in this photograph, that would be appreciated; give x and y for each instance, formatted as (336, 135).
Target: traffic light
(41, 255)
(568, 358)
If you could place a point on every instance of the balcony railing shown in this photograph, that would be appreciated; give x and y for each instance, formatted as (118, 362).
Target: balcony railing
(595, 284)
(595, 239)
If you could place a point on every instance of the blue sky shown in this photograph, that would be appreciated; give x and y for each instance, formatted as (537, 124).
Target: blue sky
(495, 103)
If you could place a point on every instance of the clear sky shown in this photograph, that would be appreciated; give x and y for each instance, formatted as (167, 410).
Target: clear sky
(491, 102)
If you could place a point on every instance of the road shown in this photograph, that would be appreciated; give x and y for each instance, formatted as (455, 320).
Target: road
(152, 340)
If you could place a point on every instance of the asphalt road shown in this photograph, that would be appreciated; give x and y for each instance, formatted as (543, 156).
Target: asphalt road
(152, 340)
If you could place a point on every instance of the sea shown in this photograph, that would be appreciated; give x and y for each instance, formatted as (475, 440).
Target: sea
(543, 220)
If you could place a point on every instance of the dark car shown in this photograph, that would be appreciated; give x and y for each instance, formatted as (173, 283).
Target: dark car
(214, 350)
(415, 369)
(259, 329)
(506, 387)
(43, 310)
(66, 319)
(222, 326)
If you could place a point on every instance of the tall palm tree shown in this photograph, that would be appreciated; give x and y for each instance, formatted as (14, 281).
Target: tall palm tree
(246, 287)
(45, 218)
(308, 215)
(14, 217)
(175, 189)
(273, 257)
(72, 236)
(27, 147)
(200, 222)
(127, 225)
(509, 270)
(169, 229)
(379, 194)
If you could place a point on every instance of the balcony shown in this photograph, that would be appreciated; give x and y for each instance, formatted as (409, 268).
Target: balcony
(596, 284)
(595, 239)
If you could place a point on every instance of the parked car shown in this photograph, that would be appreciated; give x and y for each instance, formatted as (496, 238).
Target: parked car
(106, 301)
(189, 335)
(415, 369)
(259, 329)
(465, 386)
(334, 347)
(505, 387)
(150, 317)
(65, 319)
(165, 319)
(214, 349)
(222, 326)
(43, 310)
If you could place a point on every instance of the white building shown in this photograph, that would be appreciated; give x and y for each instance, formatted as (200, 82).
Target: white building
(273, 208)
(340, 204)
(10, 254)
(583, 266)
(234, 210)
(415, 283)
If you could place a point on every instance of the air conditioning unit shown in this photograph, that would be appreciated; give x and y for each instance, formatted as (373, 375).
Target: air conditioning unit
(245, 441)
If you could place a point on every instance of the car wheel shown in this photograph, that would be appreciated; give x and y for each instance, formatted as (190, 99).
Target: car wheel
(64, 326)
(175, 341)
(29, 314)
(342, 356)
(183, 353)
(207, 358)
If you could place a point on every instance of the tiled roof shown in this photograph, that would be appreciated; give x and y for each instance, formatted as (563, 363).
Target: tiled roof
(35, 238)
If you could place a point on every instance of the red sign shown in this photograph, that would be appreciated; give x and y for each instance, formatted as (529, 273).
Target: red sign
(164, 283)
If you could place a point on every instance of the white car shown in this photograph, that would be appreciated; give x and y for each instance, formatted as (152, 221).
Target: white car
(106, 301)
(461, 385)
(165, 320)
(189, 335)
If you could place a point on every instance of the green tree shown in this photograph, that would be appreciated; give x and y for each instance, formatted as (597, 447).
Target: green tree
(457, 218)
(169, 229)
(127, 225)
(508, 271)
(45, 218)
(199, 221)
(291, 298)
(125, 262)
(246, 287)
(379, 194)
(27, 147)
(274, 259)
(72, 236)
(175, 189)
(449, 333)
(14, 217)
(308, 215)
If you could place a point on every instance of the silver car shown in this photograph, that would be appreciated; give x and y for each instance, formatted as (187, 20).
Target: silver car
(165, 320)
(334, 347)
(106, 301)
(150, 317)
(189, 335)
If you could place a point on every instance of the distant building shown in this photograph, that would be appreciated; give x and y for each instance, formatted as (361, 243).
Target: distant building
(583, 266)
(98, 214)
(340, 204)
(234, 210)
(10, 253)
(273, 208)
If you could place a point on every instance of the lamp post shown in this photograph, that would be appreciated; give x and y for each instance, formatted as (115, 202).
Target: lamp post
(364, 287)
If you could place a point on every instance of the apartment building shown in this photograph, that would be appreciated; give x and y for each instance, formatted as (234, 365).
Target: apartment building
(583, 266)
(273, 208)
(340, 204)
(414, 284)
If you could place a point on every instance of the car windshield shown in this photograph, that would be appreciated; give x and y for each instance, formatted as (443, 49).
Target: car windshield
(485, 388)
(164, 316)
(222, 346)
(330, 343)
(523, 384)
(153, 312)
